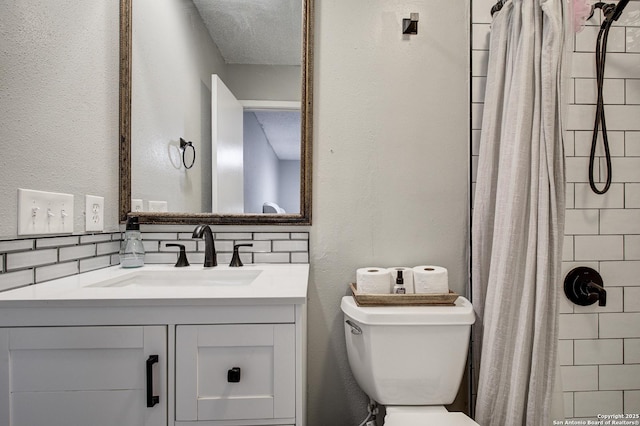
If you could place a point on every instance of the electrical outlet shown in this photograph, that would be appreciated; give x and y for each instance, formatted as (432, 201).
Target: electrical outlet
(136, 205)
(42, 212)
(93, 213)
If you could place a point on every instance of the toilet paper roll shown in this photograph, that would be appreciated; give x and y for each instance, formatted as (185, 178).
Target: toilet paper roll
(373, 280)
(429, 279)
(407, 276)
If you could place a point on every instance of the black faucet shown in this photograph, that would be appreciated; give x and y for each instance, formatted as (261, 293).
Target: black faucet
(210, 258)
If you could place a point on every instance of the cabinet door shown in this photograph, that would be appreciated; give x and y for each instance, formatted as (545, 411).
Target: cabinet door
(80, 376)
(208, 388)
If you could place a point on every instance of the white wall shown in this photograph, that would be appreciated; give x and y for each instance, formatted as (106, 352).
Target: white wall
(390, 166)
(175, 59)
(59, 104)
(265, 82)
(260, 167)
(289, 185)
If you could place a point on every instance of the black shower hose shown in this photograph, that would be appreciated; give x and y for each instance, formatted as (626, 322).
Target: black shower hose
(601, 53)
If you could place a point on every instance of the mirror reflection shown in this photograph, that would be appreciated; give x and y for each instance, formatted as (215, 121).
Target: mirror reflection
(226, 77)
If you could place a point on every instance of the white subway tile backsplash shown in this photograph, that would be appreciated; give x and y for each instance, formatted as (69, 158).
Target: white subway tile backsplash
(624, 169)
(632, 195)
(565, 352)
(579, 326)
(299, 235)
(233, 235)
(222, 246)
(94, 263)
(151, 246)
(271, 236)
(32, 258)
(624, 273)
(585, 198)
(577, 169)
(598, 247)
(77, 252)
(11, 280)
(479, 63)
(631, 15)
(590, 404)
(478, 85)
(586, 91)
(568, 405)
(585, 40)
(632, 91)
(632, 247)
(299, 257)
(567, 248)
(579, 378)
(632, 401)
(620, 377)
(271, 258)
(594, 352)
(16, 245)
(633, 40)
(476, 116)
(632, 142)
(97, 238)
(171, 236)
(620, 221)
(570, 195)
(619, 325)
(583, 141)
(155, 258)
(56, 242)
(632, 351)
(581, 221)
(632, 299)
(59, 270)
(108, 248)
(480, 36)
(298, 246)
(619, 117)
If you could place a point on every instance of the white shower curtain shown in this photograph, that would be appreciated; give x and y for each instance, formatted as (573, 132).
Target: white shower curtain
(518, 216)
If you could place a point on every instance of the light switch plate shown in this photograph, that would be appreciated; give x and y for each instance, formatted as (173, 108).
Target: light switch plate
(41, 213)
(158, 206)
(94, 213)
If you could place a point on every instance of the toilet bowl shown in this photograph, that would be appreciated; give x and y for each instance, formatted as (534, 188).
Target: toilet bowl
(410, 359)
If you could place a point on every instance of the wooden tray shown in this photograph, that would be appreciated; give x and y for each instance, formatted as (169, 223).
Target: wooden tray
(366, 299)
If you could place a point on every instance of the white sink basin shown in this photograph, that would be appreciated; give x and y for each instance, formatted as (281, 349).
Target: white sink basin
(182, 278)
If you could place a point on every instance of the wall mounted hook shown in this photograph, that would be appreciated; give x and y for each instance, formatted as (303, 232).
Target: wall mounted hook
(410, 25)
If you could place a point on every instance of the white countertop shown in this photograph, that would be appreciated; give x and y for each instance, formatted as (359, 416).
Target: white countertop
(276, 284)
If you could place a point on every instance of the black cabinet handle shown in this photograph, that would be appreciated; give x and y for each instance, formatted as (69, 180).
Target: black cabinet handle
(151, 398)
(233, 375)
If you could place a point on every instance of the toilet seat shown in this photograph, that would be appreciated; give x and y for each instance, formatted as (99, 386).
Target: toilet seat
(425, 416)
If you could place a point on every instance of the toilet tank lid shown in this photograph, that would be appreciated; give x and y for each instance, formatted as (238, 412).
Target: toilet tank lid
(459, 314)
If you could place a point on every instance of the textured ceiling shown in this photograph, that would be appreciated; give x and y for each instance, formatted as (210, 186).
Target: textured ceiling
(266, 32)
(282, 129)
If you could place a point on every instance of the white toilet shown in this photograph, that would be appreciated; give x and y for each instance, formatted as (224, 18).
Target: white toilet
(410, 359)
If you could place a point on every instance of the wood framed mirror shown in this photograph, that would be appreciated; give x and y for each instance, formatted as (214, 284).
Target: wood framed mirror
(166, 154)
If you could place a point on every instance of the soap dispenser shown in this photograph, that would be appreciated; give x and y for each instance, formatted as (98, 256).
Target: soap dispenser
(131, 249)
(399, 288)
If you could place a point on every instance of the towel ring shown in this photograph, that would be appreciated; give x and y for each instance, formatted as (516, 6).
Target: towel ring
(183, 146)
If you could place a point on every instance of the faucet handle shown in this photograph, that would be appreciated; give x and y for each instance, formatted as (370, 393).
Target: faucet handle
(235, 259)
(182, 257)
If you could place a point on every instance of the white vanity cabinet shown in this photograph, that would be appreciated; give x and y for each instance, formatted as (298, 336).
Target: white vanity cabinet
(235, 372)
(89, 350)
(99, 376)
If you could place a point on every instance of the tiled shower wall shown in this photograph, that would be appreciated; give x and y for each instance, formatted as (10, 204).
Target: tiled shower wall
(600, 346)
(34, 260)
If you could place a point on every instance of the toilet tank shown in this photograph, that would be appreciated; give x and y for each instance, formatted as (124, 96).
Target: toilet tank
(408, 355)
